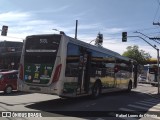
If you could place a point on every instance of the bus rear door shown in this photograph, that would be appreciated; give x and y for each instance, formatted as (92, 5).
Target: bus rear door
(84, 73)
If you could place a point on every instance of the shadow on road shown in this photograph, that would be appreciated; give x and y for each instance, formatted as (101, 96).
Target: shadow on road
(85, 106)
(14, 93)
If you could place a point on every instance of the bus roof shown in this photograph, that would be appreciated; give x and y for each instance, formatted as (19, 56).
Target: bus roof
(100, 49)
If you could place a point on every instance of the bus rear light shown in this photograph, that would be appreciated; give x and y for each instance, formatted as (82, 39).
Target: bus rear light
(57, 73)
(21, 72)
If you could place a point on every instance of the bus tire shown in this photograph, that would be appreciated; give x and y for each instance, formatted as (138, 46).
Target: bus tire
(129, 86)
(8, 90)
(96, 90)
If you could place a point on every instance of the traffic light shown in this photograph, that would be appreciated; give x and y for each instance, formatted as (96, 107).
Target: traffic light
(4, 30)
(124, 36)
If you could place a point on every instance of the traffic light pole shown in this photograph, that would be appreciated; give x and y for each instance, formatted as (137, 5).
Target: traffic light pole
(158, 73)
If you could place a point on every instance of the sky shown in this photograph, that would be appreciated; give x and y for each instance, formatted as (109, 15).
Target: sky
(109, 17)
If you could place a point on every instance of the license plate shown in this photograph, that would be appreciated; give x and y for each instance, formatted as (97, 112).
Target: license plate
(35, 88)
(36, 81)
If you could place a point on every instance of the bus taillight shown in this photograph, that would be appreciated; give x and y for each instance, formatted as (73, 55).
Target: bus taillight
(21, 72)
(57, 73)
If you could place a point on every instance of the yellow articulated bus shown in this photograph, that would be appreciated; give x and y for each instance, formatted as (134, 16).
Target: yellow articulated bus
(61, 65)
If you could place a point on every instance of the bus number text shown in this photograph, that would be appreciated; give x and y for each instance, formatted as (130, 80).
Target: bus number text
(43, 41)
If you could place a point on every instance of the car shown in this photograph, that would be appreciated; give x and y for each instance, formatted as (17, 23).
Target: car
(8, 81)
(142, 79)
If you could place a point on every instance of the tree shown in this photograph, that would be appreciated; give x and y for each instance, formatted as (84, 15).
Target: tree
(140, 56)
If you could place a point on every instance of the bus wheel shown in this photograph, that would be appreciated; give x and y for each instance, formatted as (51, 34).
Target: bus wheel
(129, 86)
(96, 90)
(8, 90)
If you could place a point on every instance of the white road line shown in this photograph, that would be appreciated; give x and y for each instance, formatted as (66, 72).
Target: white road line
(153, 100)
(126, 109)
(152, 103)
(129, 110)
(140, 103)
(156, 107)
(143, 108)
(100, 119)
(139, 107)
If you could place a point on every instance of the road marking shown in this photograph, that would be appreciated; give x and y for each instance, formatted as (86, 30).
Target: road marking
(126, 109)
(153, 100)
(144, 108)
(141, 103)
(93, 104)
(156, 107)
(140, 107)
(100, 119)
(152, 103)
(129, 110)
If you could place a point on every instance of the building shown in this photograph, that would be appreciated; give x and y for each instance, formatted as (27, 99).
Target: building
(10, 53)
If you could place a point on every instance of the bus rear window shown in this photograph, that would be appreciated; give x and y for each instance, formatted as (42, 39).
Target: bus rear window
(41, 48)
(39, 59)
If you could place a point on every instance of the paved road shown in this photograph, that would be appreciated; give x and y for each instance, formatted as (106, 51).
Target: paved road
(139, 102)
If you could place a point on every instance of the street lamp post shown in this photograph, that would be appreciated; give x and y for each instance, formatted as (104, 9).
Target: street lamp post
(56, 30)
(154, 46)
(158, 71)
(61, 32)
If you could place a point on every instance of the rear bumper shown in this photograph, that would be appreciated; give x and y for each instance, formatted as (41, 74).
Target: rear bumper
(37, 89)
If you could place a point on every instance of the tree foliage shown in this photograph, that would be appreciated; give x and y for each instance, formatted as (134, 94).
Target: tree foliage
(140, 56)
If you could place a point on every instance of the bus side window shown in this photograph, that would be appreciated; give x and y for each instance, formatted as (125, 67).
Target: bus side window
(72, 60)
